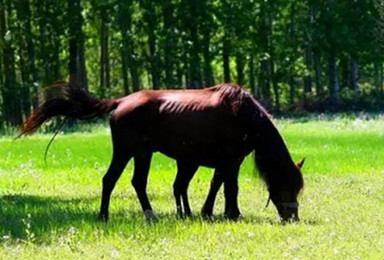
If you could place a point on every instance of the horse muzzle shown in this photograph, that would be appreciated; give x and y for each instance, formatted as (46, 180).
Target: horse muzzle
(289, 211)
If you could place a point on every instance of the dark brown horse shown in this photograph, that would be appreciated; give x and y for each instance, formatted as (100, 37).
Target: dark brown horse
(214, 127)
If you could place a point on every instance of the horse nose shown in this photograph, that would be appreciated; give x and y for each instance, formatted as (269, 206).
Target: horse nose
(290, 215)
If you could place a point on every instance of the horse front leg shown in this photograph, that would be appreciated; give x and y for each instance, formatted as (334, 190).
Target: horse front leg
(216, 182)
(139, 182)
(231, 191)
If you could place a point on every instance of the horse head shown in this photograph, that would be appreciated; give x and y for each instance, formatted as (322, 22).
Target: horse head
(284, 196)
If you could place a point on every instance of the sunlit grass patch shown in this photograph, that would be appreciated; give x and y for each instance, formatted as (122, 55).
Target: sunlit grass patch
(50, 211)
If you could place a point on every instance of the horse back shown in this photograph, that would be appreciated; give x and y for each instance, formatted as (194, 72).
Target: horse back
(187, 104)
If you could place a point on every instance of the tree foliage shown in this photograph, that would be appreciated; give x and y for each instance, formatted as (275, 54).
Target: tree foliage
(307, 54)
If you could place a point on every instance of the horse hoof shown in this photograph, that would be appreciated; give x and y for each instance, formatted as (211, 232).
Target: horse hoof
(207, 216)
(103, 218)
(150, 217)
(181, 216)
(234, 217)
(206, 213)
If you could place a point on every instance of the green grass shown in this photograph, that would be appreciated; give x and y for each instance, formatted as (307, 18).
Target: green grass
(49, 211)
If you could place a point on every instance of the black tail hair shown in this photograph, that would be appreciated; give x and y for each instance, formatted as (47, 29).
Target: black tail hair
(66, 99)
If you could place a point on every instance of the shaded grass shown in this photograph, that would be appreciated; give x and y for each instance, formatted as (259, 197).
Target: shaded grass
(50, 211)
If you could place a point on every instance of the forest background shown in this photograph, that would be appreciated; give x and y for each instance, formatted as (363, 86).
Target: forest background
(292, 55)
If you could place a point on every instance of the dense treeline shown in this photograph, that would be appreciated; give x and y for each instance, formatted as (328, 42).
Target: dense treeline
(291, 54)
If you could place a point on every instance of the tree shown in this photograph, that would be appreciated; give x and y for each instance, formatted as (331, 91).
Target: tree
(207, 28)
(26, 57)
(105, 76)
(10, 91)
(76, 64)
(150, 20)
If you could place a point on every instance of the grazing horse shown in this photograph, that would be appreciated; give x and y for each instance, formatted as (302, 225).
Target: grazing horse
(214, 127)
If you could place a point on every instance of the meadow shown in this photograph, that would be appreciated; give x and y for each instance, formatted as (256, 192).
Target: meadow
(49, 211)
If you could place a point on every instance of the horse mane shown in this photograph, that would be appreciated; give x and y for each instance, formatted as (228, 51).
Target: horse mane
(231, 95)
(228, 90)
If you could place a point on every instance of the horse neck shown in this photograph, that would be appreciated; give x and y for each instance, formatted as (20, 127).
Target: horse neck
(269, 144)
(272, 157)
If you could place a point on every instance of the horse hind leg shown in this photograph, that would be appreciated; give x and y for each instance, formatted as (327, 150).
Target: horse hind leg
(121, 156)
(116, 168)
(139, 182)
(185, 173)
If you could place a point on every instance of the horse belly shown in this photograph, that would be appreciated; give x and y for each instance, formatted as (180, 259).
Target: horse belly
(202, 153)
(208, 137)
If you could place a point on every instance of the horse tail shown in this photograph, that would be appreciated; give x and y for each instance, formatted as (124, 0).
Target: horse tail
(66, 99)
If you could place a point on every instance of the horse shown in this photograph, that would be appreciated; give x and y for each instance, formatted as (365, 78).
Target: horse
(216, 127)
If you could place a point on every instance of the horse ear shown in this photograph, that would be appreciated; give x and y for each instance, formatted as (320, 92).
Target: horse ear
(301, 163)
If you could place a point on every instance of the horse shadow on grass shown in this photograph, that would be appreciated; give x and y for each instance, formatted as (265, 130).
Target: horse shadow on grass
(22, 215)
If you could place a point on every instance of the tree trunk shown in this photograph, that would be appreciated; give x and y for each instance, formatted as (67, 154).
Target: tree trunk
(264, 80)
(168, 20)
(11, 96)
(76, 64)
(252, 79)
(26, 56)
(333, 80)
(55, 44)
(24, 98)
(186, 69)
(317, 66)
(240, 64)
(333, 75)
(355, 78)
(208, 72)
(153, 60)
(124, 21)
(31, 54)
(124, 70)
(275, 86)
(72, 66)
(127, 47)
(104, 57)
(5, 67)
(44, 46)
(308, 53)
(226, 47)
(264, 35)
(308, 77)
(291, 81)
(179, 75)
(271, 51)
(377, 77)
(316, 56)
(195, 66)
(207, 33)
(346, 76)
(381, 78)
(150, 19)
(81, 50)
(135, 78)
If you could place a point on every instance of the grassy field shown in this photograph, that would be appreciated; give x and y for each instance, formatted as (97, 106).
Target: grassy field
(49, 211)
